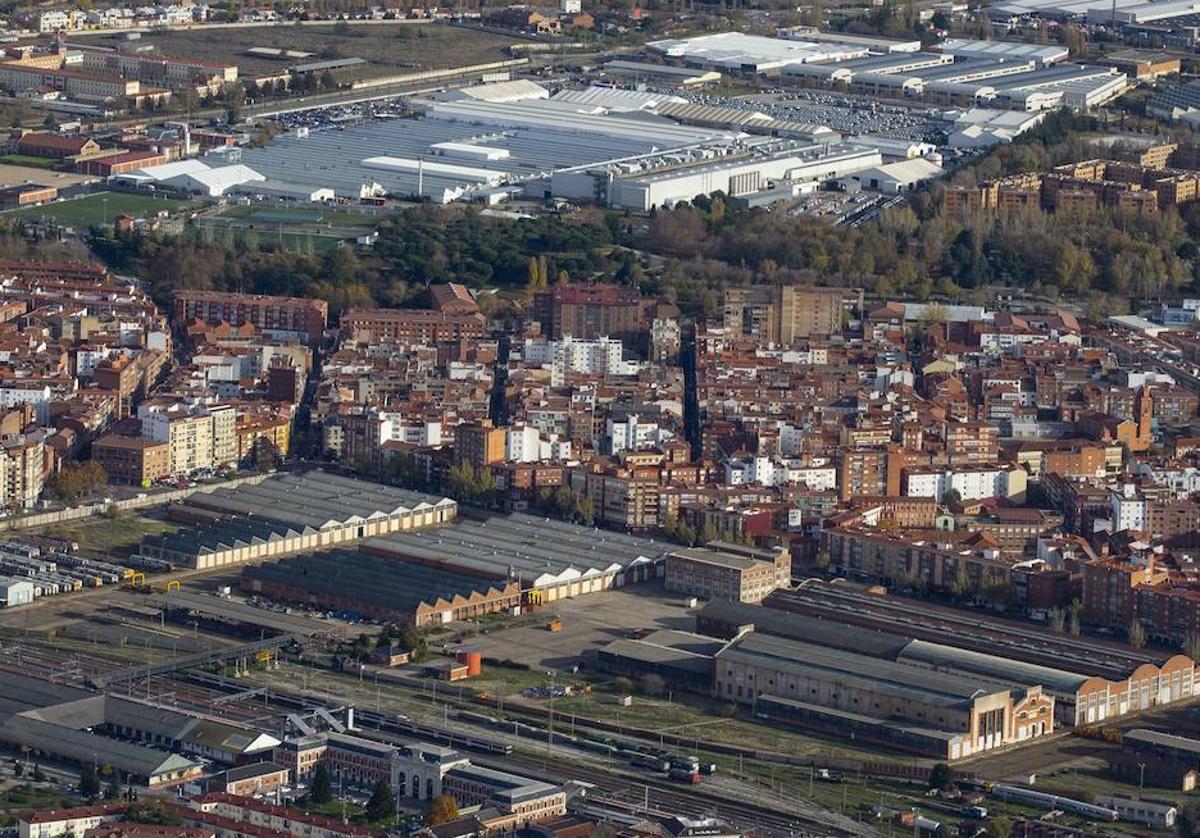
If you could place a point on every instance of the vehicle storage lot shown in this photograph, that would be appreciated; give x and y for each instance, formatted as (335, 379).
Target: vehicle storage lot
(589, 622)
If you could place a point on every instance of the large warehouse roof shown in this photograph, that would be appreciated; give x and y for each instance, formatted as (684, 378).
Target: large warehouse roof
(82, 747)
(944, 658)
(369, 579)
(897, 679)
(539, 551)
(755, 53)
(316, 499)
(539, 137)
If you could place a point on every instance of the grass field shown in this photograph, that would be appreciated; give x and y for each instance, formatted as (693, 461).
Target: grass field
(341, 216)
(98, 207)
(104, 534)
(390, 48)
(29, 160)
(23, 799)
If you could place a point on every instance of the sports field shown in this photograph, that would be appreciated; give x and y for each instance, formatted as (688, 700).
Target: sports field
(99, 207)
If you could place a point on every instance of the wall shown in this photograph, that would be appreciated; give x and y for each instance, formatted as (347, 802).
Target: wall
(76, 513)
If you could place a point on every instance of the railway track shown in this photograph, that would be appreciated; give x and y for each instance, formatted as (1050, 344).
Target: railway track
(984, 633)
(770, 820)
(763, 819)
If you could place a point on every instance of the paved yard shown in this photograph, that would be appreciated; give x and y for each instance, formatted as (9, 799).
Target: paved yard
(589, 622)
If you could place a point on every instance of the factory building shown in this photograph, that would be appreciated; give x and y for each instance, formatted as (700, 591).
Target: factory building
(378, 588)
(740, 53)
(548, 559)
(681, 659)
(728, 571)
(65, 723)
(289, 514)
(667, 179)
(982, 715)
(1091, 682)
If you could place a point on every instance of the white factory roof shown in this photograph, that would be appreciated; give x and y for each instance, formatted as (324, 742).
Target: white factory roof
(904, 171)
(502, 91)
(1011, 120)
(739, 51)
(1007, 50)
(567, 116)
(170, 170)
(215, 181)
(614, 99)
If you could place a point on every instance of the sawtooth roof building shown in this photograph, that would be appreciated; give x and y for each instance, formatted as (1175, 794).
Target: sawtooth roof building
(289, 514)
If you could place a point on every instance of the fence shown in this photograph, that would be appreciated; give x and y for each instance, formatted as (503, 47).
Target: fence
(76, 513)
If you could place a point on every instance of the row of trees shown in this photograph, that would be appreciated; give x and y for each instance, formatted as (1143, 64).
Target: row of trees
(77, 480)
(381, 806)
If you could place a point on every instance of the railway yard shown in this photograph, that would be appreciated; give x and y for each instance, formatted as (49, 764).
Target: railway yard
(764, 782)
(548, 704)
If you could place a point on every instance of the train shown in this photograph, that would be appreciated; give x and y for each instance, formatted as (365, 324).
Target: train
(682, 775)
(650, 761)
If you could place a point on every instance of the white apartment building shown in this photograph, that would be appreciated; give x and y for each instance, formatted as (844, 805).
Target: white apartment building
(15, 392)
(1005, 480)
(1183, 481)
(395, 427)
(1127, 506)
(199, 435)
(602, 356)
(526, 444)
(634, 434)
(767, 471)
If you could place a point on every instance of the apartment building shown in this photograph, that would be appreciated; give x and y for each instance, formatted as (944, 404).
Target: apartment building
(620, 497)
(133, 460)
(23, 472)
(198, 436)
(480, 444)
(588, 311)
(412, 326)
(971, 442)
(302, 317)
(784, 314)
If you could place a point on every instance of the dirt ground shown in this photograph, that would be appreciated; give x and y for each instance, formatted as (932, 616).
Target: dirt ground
(389, 48)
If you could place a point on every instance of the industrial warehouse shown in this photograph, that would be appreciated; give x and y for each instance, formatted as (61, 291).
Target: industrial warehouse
(883, 686)
(617, 148)
(380, 588)
(548, 559)
(286, 515)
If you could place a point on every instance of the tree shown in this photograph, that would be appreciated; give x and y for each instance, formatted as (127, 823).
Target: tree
(1191, 645)
(951, 497)
(654, 684)
(77, 480)
(999, 827)
(1136, 634)
(1058, 620)
(113, 790)
(321, 790)
(233, 96)
(442, 809)
(89, 782)
(1187, 823)
(153, 813)
(382, 804)
(960, 586)
(940, 777)
(623, 686)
